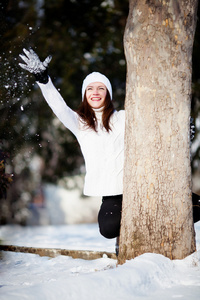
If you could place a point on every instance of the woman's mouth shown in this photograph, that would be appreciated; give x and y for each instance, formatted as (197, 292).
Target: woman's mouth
(95, 99)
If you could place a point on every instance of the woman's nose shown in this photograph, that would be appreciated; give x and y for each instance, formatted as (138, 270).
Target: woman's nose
(95, 92)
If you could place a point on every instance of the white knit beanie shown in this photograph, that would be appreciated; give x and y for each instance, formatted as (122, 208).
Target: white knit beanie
(96, 77)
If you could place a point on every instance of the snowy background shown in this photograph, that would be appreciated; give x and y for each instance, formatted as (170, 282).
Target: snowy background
(60, 204)
(61, 208)
(57, 214)
(149, 276)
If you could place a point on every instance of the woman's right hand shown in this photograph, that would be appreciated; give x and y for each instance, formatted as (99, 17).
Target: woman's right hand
(35, 66)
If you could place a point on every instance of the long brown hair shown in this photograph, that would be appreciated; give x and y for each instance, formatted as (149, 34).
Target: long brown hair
(88, 117)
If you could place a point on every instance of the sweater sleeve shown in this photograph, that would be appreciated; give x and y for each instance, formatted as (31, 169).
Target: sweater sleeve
(65, 114)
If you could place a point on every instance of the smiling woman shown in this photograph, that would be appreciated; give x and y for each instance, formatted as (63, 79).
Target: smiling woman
(99, 130)
(96, 94)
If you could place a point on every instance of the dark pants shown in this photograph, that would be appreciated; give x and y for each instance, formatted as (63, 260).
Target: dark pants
(109, 217)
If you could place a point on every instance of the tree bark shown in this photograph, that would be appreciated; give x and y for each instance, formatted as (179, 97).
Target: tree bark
(157, 207)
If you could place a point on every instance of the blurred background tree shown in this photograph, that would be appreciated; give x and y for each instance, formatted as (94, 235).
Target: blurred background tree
(82, 36)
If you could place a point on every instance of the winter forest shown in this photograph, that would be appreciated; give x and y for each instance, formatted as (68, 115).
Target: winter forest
(41, 151)
(42, 169)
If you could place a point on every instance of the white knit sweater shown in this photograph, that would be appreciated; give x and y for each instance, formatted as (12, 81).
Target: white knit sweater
(103, 152)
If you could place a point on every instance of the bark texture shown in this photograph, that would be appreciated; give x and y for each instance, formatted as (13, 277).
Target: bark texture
(157, 207)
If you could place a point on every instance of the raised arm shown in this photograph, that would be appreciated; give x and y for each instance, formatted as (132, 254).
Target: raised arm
(65, 114)
(40, 70)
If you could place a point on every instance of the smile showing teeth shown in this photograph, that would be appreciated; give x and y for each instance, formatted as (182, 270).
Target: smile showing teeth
(96, 94)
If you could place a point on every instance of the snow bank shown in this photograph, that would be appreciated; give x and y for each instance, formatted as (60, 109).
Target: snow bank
(149, 276)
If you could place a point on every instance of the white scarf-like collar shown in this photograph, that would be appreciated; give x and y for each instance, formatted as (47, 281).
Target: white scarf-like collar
(98, 112)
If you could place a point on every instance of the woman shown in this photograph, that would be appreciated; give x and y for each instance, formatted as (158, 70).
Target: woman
(99, 130)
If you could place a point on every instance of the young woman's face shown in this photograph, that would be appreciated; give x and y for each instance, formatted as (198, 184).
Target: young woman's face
(96, 94)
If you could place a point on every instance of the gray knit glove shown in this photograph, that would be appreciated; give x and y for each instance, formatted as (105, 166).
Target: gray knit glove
(35, 66)
(192, 129)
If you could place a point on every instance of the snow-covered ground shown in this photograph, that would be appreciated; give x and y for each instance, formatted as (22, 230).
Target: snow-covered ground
(149, 276)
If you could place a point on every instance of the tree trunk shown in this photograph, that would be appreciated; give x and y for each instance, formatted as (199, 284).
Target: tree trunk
(157, 207)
